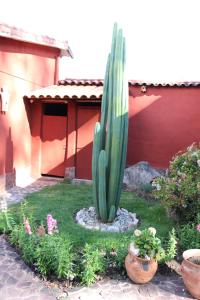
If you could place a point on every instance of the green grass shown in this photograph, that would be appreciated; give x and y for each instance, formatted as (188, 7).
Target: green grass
(64, 200)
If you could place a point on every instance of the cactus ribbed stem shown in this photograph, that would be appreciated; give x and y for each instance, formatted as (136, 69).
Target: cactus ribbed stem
(102, 186)
(110, 140)
(95, 158)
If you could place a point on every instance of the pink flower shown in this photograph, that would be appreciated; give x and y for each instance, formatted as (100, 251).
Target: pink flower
(27, 227)
(198, 227)
(51, 224)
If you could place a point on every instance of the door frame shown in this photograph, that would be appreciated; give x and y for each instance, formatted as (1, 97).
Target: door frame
(41, 135)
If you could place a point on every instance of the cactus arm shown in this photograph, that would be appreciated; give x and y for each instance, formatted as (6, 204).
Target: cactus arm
(116, 150)
(125, 127)
(104, 107)
(95, 157)
(102, 186)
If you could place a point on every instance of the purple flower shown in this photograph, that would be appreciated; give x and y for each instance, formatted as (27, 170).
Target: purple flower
(51, 224)
(198, 227)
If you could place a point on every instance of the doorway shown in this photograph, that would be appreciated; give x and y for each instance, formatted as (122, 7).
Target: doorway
(54, 131)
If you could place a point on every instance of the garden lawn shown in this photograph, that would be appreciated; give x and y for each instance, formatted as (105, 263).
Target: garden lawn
(64, 200)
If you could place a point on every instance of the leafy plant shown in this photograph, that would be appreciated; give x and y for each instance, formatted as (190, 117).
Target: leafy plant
(54, 256)
(25, 243)
(92, 262)
(189, 235)
(147, 245)
(179, 192)
(171, 247)
(110, 138)
(50, 254)
(147, 188)
(6, 218)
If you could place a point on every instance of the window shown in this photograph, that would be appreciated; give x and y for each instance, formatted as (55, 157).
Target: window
(55, 109)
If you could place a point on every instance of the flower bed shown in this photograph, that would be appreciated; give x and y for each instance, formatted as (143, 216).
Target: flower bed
(75, 252)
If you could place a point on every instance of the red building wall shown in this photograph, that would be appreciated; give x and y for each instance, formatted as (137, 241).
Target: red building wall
(86, 120)
(23, 67)
(162, 121)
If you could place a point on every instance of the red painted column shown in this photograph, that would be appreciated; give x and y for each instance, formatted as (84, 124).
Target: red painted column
(71, 141)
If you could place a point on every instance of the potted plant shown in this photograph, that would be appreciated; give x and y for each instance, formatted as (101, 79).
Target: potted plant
(190, 270)
(190, 267)
(145, 251)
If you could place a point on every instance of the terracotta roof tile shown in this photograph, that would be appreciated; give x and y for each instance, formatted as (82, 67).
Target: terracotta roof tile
(167, 84)
(67, 91)
(99, 82)
(84, 82)
(90, 89)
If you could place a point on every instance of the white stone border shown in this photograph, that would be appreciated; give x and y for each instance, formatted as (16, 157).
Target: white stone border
(123, 222)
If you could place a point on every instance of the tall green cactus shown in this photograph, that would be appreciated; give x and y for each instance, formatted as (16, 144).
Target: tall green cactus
(110, 137)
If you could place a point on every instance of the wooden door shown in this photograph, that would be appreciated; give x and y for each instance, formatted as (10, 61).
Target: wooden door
(54, 129)
(87, 117)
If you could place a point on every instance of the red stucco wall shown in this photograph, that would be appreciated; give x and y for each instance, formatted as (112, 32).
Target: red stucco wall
(23, 67)
(162, 121)
(86, 120)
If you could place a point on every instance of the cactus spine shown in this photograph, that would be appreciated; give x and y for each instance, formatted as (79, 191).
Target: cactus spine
(110, 137)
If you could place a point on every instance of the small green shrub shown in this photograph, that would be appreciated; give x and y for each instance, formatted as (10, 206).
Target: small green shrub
(93, 262)
(54, 257)
(146, 188)
(189, 235)
(6, 219)
(27, 244)
(170, 247)
(179, 192)
(115, 252)
(51, 255)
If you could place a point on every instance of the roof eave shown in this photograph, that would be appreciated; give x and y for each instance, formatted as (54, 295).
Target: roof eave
(66, 52)
(14, 33)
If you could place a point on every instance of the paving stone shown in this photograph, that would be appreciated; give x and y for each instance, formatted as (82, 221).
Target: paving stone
(11, 281)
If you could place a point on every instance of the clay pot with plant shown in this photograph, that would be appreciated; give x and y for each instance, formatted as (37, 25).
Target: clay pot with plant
(144, 253)
(190, 271)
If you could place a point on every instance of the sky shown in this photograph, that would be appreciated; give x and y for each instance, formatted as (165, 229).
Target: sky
(163, 36)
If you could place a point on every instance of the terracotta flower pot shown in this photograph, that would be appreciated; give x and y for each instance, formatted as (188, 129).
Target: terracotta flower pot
(191, 272)
(140, 270)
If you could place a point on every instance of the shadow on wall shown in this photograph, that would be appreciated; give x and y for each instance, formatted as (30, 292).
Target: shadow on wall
(161, 123)
(84, 162)
(10, 174)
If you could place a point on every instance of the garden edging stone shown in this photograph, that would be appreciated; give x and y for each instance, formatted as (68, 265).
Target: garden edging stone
(124, 220)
